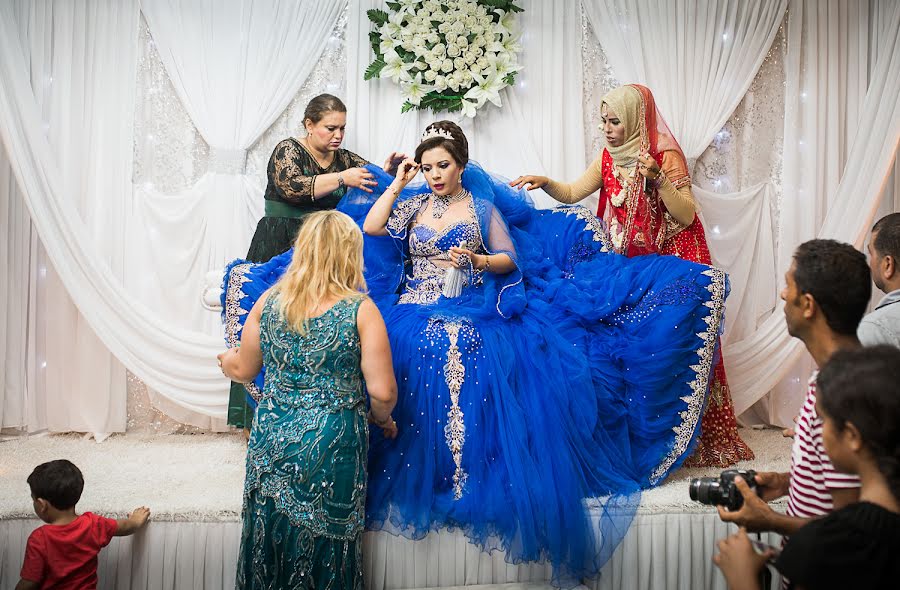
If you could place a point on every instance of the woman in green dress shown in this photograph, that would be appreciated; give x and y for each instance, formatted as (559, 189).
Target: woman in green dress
(318, 337)
(304, 175)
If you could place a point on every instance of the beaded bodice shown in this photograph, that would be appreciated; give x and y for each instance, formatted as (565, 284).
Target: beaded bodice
(429, 252)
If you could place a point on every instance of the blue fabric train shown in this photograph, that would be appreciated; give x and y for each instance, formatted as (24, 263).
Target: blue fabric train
(536, 406)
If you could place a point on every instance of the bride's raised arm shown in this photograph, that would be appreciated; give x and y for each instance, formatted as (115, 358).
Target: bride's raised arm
(375, 223)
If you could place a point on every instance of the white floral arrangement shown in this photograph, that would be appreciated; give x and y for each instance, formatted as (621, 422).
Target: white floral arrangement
(450, 55)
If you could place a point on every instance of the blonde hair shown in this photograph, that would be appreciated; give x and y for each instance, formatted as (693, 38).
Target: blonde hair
(327, 263)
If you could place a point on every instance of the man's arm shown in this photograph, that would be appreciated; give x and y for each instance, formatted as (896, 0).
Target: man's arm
(27, 585)
(757, 516)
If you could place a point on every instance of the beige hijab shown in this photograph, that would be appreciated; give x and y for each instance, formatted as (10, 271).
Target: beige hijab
(625, 102)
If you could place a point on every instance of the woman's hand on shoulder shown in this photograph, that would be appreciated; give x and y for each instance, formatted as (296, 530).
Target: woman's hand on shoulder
(529, 182)
(359, 178)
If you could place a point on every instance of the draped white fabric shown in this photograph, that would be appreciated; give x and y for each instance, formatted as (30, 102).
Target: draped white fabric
(132, 258)
(235, 66)
(698, 57)
(177, 362)
(666, 550)
(75, 69)
(739, 231)
(840, 144)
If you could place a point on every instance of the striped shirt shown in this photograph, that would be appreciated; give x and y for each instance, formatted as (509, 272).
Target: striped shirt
(812, 474)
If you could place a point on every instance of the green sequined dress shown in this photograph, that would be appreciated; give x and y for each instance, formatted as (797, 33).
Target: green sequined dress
(305, 489)
(291, 185)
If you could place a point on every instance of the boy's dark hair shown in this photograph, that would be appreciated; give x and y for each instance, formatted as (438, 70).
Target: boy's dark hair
(59, 482)
(887, 236)
(837, 276)
(862, 386)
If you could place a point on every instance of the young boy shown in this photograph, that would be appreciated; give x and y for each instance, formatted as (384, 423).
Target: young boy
(63, 553)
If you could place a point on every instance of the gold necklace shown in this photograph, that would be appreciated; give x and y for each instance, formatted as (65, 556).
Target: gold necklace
(305, 143)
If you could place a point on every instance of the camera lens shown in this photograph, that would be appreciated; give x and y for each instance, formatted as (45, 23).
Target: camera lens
(704, 490)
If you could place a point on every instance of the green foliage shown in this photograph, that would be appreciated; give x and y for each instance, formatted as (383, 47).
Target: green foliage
(379, 17)
(374, 69)
(504, 5)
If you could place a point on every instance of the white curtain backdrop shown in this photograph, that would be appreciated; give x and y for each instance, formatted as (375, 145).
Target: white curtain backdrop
(697, 56)
(132, 257)
(75, 68)
(841, 134)
(235, 66)
(739, 231)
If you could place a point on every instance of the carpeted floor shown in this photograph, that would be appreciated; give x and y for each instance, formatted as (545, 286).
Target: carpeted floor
(200, 477)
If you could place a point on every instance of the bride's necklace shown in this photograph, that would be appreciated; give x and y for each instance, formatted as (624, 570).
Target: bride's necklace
(441, 203)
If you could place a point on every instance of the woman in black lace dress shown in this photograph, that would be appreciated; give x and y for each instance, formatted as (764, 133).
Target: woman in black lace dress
(304, 175)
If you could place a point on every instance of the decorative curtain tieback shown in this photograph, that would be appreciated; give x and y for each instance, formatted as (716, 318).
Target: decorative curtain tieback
(227, 160)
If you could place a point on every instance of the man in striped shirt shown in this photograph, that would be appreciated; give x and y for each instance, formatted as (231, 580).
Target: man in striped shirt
(826, 294)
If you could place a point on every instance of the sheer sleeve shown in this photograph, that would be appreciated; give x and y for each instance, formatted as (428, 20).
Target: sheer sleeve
(572, 192)
(675, 189)
(291, 183)
(498, 240)
(403, 213)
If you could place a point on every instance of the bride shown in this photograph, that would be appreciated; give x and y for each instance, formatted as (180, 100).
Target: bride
(536, 370)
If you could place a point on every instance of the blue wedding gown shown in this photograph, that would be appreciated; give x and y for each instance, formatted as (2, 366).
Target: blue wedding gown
(534, 407)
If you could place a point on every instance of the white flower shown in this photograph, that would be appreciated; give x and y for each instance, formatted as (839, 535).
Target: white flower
(416, 90)
(430, 75)
(487, 88)
(504, 62)
(459, 63)
(447, 66)
(439, 50)
(387, 45)
(453, 50)
(509, 22)
(395, 68)
(440, 83)
(462, 41)
(468, 108)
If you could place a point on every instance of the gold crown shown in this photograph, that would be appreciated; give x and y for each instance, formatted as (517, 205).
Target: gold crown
(433, 132)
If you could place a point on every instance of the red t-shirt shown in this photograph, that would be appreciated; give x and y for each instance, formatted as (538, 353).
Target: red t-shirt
(65, 556)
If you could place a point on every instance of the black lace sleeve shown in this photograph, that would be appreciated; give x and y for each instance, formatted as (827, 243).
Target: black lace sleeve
(352, 160)
(292, 178)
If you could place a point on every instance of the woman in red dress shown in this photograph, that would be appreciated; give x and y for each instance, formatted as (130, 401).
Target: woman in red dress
(648, 207)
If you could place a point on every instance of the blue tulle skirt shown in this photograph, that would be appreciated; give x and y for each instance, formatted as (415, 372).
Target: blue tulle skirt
(535, 433)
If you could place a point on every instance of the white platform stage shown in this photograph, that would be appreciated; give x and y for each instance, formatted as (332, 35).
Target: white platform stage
(193, 483)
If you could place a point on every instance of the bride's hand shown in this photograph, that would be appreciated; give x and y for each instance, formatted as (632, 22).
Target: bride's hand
(532, 181)
(407, 171)
(462, 258)
(392, 163)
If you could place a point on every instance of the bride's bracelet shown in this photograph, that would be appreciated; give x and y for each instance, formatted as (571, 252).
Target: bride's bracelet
(487, 263)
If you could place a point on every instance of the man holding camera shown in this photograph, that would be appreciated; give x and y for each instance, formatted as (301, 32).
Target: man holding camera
(826, 294)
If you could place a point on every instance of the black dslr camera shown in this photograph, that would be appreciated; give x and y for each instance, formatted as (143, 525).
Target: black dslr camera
(721, 490)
